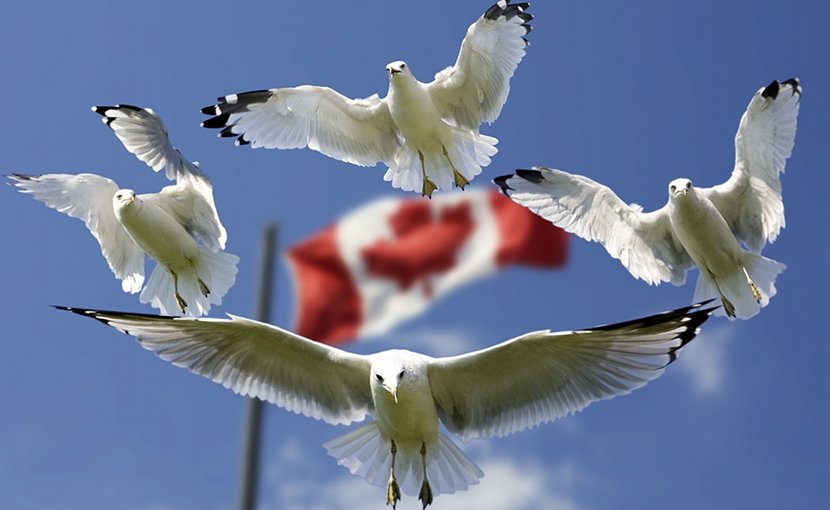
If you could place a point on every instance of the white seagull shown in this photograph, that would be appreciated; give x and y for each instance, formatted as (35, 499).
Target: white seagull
(698, 226)
(426, 133)
(521, 383)
(167, 226)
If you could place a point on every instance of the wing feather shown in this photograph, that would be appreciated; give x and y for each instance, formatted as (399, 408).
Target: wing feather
(143, 134)
(542, 376)
(257, 360)
(88, 197)
(358, 131)
(643, 242)
(750, 201)
(475, 89)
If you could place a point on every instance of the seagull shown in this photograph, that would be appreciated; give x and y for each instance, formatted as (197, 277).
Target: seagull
(178, 227)
(427, 134)
(700, 227)
(521, 383)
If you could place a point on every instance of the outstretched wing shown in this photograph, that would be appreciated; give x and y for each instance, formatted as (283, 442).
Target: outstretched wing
(88, 197)
(542, 376)
(257, 360)
(750, 201)
(143, 133)
(475, 88)
(643, 242)
(358, 131)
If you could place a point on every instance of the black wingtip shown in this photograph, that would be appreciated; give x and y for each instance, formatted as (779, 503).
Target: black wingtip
(509, 11)
(795, 84)
(534, 176)
(501, 182)
(210, 110)
(219, 121)
(771, 90)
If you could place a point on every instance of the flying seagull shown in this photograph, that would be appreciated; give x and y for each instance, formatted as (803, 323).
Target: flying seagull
(178, 226)
(427, 134)
(521, 383)
(698, 226)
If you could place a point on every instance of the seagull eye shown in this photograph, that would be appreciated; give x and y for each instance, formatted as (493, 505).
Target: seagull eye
(400, 376)
(379, 377)
(673, 187)
(403, 66)
(688, 184)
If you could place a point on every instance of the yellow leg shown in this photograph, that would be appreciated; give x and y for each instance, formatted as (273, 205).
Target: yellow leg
(179, 299)
(756, 292)
(426, 491)
(428, 186)
(393, 492)
(459, 179)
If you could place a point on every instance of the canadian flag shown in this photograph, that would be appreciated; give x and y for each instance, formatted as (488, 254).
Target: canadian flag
(390, 259)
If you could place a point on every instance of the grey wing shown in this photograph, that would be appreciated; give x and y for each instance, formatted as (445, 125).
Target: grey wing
(257, 360)
(88, 197)
(750, 201)
(143, 134)
(475, 89)
(643, 242)
(358, 131)
(190, 202)
(542, 376)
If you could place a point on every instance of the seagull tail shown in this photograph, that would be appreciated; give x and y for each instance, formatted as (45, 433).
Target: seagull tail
(217, 271)
(467, 153)
(365, 453)
(763, 272)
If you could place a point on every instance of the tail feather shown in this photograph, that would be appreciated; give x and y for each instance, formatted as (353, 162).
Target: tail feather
(469, 152)
(763, 272)
(216, 270)
(366, 454)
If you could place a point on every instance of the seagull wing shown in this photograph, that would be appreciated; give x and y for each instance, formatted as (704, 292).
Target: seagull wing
(643, 242)
(143, 133)
(190, 202)
(543, 376)
(475, 88)
(358, 131)
(88, 197)
(257, 360)
(750, 200)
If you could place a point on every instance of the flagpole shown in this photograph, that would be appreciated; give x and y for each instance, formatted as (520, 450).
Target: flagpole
(249, 475)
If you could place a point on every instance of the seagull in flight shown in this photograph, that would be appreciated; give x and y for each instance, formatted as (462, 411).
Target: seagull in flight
(178, 227)
(427, 134)
(721, 229)
(521, 383)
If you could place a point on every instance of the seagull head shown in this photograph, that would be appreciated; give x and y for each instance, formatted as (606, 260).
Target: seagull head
(398, 68)
(679, 188)
(388, 375)
(123, 198)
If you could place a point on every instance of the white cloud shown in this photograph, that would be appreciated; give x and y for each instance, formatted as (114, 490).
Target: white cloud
(704, 361)
(508, 484)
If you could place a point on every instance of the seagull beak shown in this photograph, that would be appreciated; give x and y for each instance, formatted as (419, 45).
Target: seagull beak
(393, 391)
(394, 71)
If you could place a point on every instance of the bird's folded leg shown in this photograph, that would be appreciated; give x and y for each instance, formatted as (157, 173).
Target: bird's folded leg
(203, 287)
(459, 179)
(728, 307)
(756, 292)
(393, 492)
(428, 186)
(179, 299)
(426, 491)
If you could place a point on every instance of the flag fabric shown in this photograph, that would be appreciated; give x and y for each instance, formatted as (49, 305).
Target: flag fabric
(390, 259)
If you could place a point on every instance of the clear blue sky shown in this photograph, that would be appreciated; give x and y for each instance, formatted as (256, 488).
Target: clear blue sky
(632, 94)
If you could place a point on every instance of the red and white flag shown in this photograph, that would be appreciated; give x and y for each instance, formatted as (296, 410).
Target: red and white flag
(390, 259)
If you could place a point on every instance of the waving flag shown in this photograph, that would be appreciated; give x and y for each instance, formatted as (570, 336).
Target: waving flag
(390, 259)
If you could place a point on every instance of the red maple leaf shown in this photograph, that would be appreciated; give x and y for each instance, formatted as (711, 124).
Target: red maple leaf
(423, 246)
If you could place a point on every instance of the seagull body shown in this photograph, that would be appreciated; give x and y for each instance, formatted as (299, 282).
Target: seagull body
(529, 380)
(190, 276)
(426, 133)
(721, 229)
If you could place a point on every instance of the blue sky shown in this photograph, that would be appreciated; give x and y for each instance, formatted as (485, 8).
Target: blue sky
(632, 94)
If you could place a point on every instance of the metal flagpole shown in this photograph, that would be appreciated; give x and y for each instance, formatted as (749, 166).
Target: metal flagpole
(253, 415)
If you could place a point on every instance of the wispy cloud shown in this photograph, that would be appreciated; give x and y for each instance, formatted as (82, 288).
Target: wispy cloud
(508, 484)
(705, 360)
